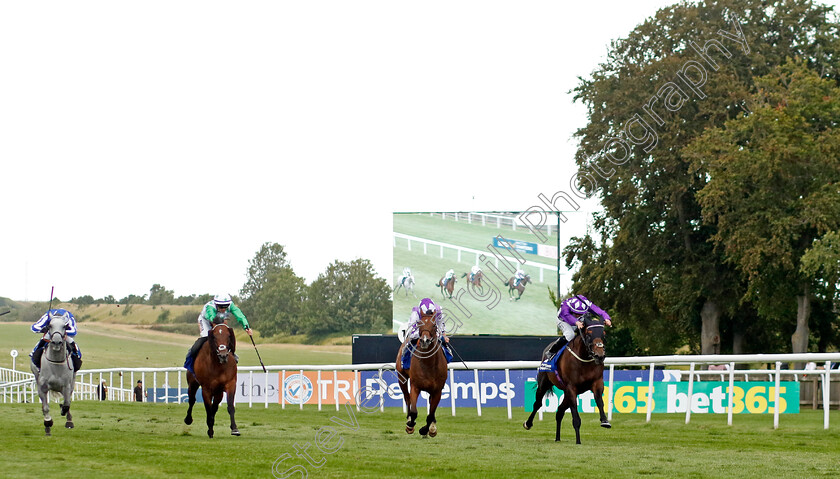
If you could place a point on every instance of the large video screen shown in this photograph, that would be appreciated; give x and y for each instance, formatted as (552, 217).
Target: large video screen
(499, 244)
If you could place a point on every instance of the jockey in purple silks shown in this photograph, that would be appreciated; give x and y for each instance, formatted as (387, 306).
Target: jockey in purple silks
(426, 306)
(568, 317)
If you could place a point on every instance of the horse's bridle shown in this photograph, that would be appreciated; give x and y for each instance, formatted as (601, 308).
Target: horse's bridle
(63, 336)
(220, 348)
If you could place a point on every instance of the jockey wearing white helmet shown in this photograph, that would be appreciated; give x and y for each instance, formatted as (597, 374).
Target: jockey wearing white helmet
(218, 309)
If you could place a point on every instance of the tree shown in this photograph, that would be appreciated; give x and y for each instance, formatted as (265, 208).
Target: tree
(160, 295)
(269, 259)
(273, 294)
(83, 300)
(349, 298)
(772, 189)
(659, 89)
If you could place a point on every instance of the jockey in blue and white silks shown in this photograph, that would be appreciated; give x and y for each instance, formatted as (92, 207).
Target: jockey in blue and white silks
(568, 316)
(43, 325)
(474, 271)
(426, 306)
(449, 275)
(518, 276)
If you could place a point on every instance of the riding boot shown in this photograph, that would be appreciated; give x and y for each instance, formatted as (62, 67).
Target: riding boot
(75, 356)
(552, 350)
(236, 358)
(188, 363)
(406, 357)
(37, 352)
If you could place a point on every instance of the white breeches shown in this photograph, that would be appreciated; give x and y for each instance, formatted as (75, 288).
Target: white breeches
(567, 329)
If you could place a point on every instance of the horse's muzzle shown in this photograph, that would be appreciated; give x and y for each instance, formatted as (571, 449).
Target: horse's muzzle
(222, 352)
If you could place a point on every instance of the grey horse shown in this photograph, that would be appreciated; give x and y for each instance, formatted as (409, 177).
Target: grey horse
(56, 373)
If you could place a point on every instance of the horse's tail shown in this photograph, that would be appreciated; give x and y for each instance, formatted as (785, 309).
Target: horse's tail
(542, 377)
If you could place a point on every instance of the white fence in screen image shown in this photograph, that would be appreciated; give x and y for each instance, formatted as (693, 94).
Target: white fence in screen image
(509, 221)
(473, 255)
(332, 385)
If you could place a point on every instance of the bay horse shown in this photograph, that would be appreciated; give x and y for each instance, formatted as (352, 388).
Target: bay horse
(579, 369)
(427, 372)
(407, 283)
(447, 290)
(476, 279)
(56, 372)
(520, 287)
(215, 373)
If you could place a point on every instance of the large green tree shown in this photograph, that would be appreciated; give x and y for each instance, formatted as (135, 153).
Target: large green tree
(774, 188)
(273, 294)
(688, 68)
(349, 298)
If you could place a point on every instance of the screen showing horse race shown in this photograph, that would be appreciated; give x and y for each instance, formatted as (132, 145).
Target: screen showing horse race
(489, 271)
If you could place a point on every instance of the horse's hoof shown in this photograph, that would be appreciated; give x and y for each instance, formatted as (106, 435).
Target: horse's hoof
(48, 424)
(433, 430)
(47, 433)
(409, 429)
(187, 421)
(424, 431)
(526, 426)
(69, 425)
(606, 424)
(210, 433)
(234, 432)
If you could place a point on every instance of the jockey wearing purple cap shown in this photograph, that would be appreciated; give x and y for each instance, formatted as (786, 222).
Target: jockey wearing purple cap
(569, 316)
(427, 307)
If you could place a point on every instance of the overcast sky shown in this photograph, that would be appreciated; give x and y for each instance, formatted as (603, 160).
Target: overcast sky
(165, 141)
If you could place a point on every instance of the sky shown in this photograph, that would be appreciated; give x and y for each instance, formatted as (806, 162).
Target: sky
(164, 142)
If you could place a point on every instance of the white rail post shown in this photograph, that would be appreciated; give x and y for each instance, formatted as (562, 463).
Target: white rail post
(282, 390)
(452, 390)
(731, 395)
(143, 379)
(251, 388)
(776, 404)
(154, 384)
(826, 392)
(301, 389)
(356, 380)
(650, 394)
(507, 380)
(477, 392)
(122, 389)
(610, 393)
(318, 389)
(382, 396)
(179, 388)
(265, 390)
(335, 388)
(166, 387)
(690, 392)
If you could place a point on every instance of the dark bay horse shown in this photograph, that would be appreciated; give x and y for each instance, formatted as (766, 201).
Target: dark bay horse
(581, 368)
(215, 373)
(520, 287)
(427, 372)
(475, 281)
(55, 373)
(448, 289)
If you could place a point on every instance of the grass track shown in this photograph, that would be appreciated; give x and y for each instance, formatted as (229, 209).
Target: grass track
(150, 440)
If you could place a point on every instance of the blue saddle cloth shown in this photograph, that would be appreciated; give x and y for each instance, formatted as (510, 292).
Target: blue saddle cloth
(550, 364)
(406, 358)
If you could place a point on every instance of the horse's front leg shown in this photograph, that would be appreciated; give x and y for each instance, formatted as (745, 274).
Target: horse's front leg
(598, 391)
(412, 410)
(211, 405)
(575, 416)
(569, 399)
(193, 388)
(431, 423)
(65, 407)
(231, 395)
(44, 394)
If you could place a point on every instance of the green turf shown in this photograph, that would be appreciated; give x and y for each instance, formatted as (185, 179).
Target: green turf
(151, 440)
(105, 346)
